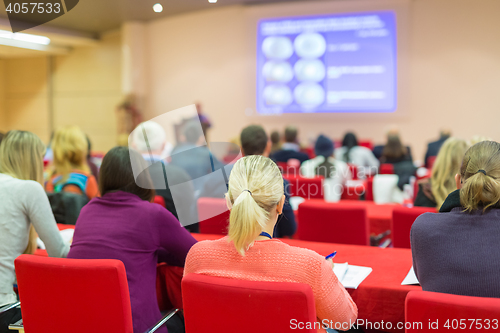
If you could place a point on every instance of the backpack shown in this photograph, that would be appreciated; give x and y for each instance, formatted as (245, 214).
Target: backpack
(66, 206)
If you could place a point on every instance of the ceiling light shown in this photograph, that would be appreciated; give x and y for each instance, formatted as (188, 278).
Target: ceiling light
(25, 37)
(212, 1)
(158, 8)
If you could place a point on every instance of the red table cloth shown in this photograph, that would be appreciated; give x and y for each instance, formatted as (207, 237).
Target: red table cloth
(380, 297)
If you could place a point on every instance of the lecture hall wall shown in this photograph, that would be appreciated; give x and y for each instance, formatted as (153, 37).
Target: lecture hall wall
(450, 66)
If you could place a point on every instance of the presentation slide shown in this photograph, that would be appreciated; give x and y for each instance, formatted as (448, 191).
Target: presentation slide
(334, 63)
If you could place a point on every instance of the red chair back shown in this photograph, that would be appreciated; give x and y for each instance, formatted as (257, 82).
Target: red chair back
(402, 220)
(369, 189)
(73, 295)
(461, 313)
(354, 171)
(309, 188)
(333, 223)
(213, 215)
(158, 199)
(386, 169)
(214, 305)
(366, 143)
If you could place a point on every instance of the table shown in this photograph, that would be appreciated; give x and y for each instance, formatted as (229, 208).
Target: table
(380, 296)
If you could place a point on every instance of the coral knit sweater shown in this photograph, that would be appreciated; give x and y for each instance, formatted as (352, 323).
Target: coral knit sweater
(273, 260)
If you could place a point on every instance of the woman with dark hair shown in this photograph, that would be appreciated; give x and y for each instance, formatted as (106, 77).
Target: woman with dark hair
(361, 157)
(123, 224)
(394, 151)
(457, 251)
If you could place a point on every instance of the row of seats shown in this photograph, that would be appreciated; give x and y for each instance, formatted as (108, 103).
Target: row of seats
(208, 302)
(321, 221)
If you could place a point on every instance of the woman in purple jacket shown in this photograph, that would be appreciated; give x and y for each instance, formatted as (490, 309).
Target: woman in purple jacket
(123, 224)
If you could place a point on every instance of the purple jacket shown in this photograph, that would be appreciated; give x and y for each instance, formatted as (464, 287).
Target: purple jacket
(122, 226)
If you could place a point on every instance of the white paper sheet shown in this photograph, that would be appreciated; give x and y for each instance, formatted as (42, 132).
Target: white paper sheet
(66, 234)
(410, 278)
(351, 276)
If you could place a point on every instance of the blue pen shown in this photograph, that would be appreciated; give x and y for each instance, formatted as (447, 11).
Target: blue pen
(331, 255)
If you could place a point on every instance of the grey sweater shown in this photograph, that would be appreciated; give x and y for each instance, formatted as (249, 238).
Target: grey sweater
(456, 252)
(23, 202)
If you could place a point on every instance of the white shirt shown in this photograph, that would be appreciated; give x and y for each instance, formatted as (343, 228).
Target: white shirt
(23, 202)
(361, 157)
(334, 185)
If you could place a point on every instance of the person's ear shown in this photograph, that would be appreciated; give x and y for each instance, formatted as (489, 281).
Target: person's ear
(279, 207)
(458, 180)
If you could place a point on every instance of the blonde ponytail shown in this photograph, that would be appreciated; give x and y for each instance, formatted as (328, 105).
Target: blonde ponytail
(480, 174)
(255, 188)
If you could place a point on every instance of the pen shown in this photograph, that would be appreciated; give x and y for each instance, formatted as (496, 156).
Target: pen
(331, 255)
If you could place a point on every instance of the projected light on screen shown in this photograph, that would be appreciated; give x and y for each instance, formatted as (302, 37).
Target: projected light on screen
(335, 63)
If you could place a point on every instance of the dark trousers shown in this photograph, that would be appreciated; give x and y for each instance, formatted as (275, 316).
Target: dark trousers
(9, 317)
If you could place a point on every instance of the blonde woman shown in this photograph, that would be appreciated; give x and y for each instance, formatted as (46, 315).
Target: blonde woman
(432, 192)
(457, 251)
(23, 203)
(255, 198)
(72, 174)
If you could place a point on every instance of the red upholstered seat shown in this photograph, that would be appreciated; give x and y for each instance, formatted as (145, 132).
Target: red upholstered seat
(402, 220)
(158, 199)
(215, 305)
(334, 223)
(308, 188)
(461, 313)
(366, 143)
(386, 169)
(354, 171)
(369, 189)
(213, 215)
(73, 295)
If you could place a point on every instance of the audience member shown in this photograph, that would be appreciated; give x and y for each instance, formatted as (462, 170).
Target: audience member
(361, 157)
(433, 147)
(192, 155)
(72, 174)
(276, 141)
(254, 141)
(433, 191)
(165, 175)
(290, 148)
(23, 205)
(93, 167)
(457, 251)
(124, 225)
(255, 198)
(394, 152)
(336, 172)
(379, 149)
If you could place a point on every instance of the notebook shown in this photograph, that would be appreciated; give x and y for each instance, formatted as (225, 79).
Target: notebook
(351, 276)
(66, 234)
(410, 278)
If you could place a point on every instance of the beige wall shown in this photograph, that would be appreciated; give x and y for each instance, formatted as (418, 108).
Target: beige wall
(86, 87)
(449, 65)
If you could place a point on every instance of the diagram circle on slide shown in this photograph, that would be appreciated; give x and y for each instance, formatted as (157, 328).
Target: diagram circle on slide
(278, 48)
(310, 45)
(309, 94)
(276, 94)
(309, 70)
(277, 71)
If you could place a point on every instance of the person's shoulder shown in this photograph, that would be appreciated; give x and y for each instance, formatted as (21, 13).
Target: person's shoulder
(24, 185)
(427, 221)
(308, 255)
(205, 247)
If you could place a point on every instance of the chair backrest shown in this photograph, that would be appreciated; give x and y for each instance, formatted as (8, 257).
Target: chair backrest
(452, 312)
(73, 295)
(386, 169)
(305, 187)
(215, 304)
(402, 220)
(369, 189)
(333, 223)
(354, 171)
(158, 199)
(366, 143)
(213, 215)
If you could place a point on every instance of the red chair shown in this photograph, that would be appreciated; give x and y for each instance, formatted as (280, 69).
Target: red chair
(213, 215)
(74, 295)
(353, 190)
(386, 169)
(158, 199)
(333, 223)
(451, 312)
(402, 220)
(214, 305)
(309, 188)
(354, 171)
(369, 189)
(366, 143)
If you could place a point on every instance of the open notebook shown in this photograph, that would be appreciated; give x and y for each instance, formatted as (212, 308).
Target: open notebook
(410, 278)
(351, 276)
